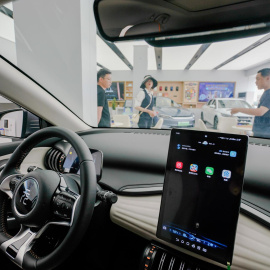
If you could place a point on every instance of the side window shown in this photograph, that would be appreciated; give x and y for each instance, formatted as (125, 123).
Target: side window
(6, 105)
(209, 102)
(214, 103)
(15, 122)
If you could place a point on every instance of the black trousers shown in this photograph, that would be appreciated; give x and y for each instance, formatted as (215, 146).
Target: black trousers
(147, 122)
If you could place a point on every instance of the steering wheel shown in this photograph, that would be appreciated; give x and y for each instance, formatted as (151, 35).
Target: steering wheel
(42, 198)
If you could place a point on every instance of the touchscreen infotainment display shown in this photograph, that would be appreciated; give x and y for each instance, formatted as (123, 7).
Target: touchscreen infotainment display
(71, 164)
(202, 192)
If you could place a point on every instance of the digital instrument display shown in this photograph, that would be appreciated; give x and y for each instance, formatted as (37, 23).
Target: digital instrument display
(71, 164)
(202, 192)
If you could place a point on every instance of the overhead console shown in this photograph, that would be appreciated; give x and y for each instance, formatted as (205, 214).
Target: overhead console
(202, 192)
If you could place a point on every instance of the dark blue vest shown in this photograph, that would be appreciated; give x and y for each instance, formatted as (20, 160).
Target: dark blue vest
(145, 103)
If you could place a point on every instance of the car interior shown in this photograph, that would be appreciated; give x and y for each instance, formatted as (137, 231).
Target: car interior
(175, 196)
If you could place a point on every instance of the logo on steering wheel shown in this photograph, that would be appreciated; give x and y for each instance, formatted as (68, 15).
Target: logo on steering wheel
(25, 196)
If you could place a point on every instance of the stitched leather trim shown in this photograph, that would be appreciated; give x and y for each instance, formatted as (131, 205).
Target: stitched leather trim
(34, 254)
(3, 222)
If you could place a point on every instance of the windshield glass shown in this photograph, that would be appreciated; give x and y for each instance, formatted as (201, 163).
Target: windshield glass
(233, 104)
(134, 85)
(165, 102)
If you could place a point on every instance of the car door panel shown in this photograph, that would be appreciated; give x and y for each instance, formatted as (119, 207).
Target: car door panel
(205, 112)
(208, 111)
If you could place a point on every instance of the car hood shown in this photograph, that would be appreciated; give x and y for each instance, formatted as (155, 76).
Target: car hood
(174, 112)
(228, 112)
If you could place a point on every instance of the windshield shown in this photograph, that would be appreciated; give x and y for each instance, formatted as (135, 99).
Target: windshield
(166, 102)
(134, 85)
(233, 104)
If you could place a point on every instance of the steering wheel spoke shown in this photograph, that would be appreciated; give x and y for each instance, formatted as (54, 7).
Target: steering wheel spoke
(17, 246)
(9, 183)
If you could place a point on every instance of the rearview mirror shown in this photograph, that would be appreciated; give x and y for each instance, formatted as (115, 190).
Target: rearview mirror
(195, 21)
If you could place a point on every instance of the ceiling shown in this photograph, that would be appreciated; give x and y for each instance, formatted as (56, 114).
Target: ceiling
(241, 54)
(177, 58)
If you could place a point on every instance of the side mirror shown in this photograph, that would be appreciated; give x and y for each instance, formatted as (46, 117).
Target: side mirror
(212, 106)
(18, 123)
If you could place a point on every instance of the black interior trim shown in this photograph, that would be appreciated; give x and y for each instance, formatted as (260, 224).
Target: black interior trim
(167, 42)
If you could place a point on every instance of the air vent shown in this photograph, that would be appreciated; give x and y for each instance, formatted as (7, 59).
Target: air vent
(55, 159)
(156, 258)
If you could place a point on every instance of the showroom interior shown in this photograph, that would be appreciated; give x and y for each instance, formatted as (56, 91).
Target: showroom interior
(189, 75)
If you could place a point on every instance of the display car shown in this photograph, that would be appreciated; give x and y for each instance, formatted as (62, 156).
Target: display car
(76, 196)
(221, 107)
(173, 114)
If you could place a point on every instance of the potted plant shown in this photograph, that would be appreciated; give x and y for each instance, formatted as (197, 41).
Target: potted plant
(113, 105)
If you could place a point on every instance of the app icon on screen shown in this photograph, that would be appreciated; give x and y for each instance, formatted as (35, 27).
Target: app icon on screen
(226, 174)
(209, 170)
(233, 154)
(193, 167)
(178, 146)
(179, 165)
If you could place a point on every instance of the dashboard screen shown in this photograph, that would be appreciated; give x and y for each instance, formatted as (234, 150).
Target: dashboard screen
(202, 192)
(71, 164)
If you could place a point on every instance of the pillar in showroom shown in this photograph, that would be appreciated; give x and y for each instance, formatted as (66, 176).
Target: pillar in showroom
(56, 46)
(140, 67)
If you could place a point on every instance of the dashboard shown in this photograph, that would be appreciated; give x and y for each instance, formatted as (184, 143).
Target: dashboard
(136, 175)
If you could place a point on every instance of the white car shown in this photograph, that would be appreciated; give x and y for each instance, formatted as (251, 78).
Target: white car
(221, 107)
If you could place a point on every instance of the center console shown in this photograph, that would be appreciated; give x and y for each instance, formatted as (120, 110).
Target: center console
(158, 257)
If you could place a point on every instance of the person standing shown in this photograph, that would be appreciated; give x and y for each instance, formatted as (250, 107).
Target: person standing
(104, 81)
(261, 126)
(144, 102)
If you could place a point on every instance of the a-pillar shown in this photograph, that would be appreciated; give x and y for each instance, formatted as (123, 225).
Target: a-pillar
(56, 46)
